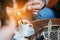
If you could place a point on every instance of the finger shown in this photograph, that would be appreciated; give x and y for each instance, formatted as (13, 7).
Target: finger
(35, 10)
(35, 13)
(38, 6)
(28, 3)
(38, 1)
(29, 8)
(34, 7)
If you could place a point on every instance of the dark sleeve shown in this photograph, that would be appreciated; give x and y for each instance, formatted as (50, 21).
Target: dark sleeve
(56, 9)
(45, 13)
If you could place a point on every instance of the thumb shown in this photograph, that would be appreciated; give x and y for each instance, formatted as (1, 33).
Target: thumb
(10, 11)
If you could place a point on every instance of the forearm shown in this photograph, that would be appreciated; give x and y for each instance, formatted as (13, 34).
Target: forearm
(6, 32)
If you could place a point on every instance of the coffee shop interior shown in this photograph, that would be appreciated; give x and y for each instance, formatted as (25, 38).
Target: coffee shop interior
(29, 19)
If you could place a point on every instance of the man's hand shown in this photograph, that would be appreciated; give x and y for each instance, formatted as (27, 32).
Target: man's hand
(34, 5)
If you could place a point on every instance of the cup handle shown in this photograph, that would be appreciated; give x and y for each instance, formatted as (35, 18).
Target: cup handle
(31, 25)
(26, 21)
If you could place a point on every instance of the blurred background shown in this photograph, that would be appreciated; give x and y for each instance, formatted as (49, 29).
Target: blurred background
(54, 5)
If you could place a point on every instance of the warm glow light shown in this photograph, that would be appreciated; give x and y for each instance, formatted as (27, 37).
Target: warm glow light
(18, 13)
(15, 7)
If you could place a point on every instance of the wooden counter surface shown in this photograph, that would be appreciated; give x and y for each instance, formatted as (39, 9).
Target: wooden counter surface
(41, 23)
